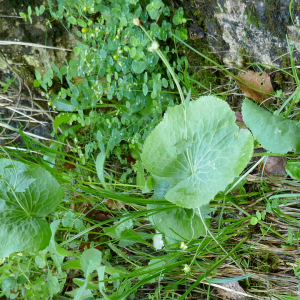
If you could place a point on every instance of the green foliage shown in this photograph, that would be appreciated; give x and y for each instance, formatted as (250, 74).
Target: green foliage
(7, 84)
(175, 222)
(90, 261)
(28, 194)
(23, 274)
(199, 149)
(293, 169)
(113, 92)
(115, 87)
(274, 133)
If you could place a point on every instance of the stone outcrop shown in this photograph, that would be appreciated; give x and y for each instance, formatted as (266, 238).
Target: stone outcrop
(21, 42)
(240, 31)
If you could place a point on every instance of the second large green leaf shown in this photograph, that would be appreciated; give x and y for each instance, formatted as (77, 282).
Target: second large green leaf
(274, 133)
(28, 193)
(176, 222)
(200, 148)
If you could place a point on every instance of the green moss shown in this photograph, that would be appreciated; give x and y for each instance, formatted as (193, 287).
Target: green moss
(252, 15)
(282, 80)
(277, 17)
(245, 57)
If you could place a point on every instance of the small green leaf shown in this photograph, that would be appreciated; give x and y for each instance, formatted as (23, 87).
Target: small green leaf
(178, 17)
(72, 264)
(103, 53)
(165, 83)
(145, 89)
(154, 8)
(76, 50)
(138, 66)
(63, 105)
(63, 70)
(42, 9)
(100, 167)
(123, 21)
(72, 20)
(132, 52)
(81, 23)
(253, 221)
(38, 75)
(36, 83)
(23, 15)
(88, 257)
(29, 11)
(134, 41)
(53, 284)
(63, 118)
(258, 215)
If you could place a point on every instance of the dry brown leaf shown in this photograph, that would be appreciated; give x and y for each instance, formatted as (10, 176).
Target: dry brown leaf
(232, 291)
(275, 165)
(256, 86)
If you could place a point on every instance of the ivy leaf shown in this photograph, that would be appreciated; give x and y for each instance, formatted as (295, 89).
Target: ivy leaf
(274, 133)
(215, 151)
(22, 212)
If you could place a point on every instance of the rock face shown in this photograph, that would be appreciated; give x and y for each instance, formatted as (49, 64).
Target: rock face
(237, 31)
(240, 31)
(25, 59)
(21, 104)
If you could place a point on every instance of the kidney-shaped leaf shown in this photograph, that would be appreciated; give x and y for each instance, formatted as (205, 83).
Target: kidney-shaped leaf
(22, 211)
(274, 133)
(178, 223)
(200, 147)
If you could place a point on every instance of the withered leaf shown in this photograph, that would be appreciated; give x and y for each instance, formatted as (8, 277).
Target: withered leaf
(256, 86)
(275, 166)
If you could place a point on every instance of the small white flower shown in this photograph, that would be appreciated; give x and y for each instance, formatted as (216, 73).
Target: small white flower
(20, 254)
(158, 242)
(183, 246)
(186, 269)
(136, 22)
(154, 46)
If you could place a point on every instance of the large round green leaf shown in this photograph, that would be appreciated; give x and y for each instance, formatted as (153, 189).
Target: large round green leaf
(27, 194)
(200, 148)
(178, 223)
(274, 133)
